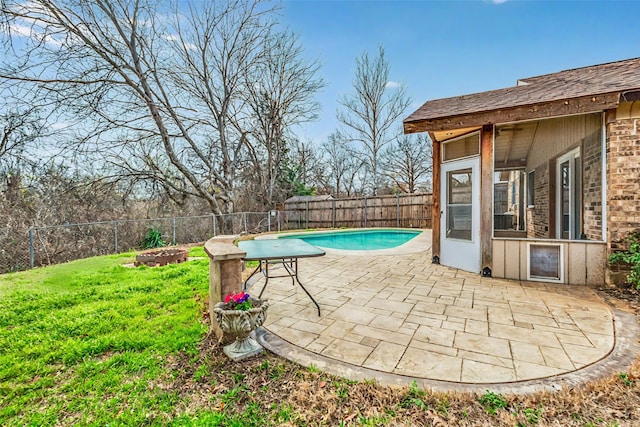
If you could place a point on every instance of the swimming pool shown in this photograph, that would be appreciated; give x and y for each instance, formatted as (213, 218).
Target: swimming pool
(357, 240)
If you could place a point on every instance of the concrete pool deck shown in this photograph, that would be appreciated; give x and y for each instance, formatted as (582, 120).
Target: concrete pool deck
(393, 316)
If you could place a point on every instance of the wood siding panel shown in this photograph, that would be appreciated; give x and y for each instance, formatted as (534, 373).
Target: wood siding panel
(575, 266)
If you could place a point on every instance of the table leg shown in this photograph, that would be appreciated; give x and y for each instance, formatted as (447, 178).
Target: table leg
(294, 275)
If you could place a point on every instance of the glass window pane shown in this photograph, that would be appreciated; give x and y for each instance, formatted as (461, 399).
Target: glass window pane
(463, 147)
(459, 206)
(509, 201)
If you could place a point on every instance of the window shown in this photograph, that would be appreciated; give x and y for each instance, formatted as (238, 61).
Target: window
(508, 200)
(531, 188)
(466, 146)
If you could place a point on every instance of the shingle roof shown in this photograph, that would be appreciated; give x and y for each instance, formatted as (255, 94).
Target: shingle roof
(600, 79)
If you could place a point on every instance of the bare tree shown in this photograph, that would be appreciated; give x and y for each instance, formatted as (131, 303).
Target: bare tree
(408, 163)
(371, 111)
(282, 98)
(341, 166)
(158, 91)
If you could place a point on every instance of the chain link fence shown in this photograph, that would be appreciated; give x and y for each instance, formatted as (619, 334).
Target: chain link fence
(42, 246)
(56, 244)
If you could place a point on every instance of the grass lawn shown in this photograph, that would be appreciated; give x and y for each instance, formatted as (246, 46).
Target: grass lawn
(92, 342)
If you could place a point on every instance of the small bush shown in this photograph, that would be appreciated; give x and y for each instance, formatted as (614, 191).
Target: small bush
(153, 239)
(631, 257)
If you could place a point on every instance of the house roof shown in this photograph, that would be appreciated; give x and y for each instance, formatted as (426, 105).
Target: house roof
(574, 91)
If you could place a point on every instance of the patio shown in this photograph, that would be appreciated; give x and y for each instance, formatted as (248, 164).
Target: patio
(395, 317)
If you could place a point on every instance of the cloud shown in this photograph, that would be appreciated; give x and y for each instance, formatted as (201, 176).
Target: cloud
(498, 1)
(393, 84)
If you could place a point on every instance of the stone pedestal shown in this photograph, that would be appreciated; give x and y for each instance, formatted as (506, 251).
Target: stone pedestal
(225, 273)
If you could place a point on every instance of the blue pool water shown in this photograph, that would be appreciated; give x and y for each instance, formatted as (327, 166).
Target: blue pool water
(357, 240)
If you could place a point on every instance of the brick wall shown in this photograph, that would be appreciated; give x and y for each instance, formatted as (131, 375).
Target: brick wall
(538, 217)
(592, 186)
(623, 177)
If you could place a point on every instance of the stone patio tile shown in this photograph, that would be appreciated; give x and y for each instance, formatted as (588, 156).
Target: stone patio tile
(503, 362)
(349, 352)
(478, 372)
(466, 313)
(381, 312)
(556, 358)
(428, 307)
(294, 336)
(384, 357)
(361, 297)
(547, 320)
(280, 321)
(463, 302)
(581, 356)
(526, 352)
(353, 337)
(601, 341)
(598, 326)
(397, 296)
(410, 326)
(491, 304)
(454, 324)
(577, 340)
(432, 335)
(417, 363)
(482, 344)
(427, 319)
(529, 371)
(400, 337)
(573, 332)
(370, 342)
(500, 315)
(476, 327)
(530, 336)
(393, 306)
(316, 347)
(306, 326)
(392, 324)
(350, 313)
(434, 348)
(339, 329)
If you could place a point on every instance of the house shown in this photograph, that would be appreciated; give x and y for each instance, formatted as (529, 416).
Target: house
(539, 181)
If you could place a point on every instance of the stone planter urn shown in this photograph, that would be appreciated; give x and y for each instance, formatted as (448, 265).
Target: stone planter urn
(240, 323)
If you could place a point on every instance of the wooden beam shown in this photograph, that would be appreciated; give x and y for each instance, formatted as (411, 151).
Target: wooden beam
(486, 199)
(562, 107)
(435, 199)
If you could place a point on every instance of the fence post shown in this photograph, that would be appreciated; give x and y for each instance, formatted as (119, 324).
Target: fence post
(365, 211)
(213, 217)
(244, 220)
(115, 235)
(279, 220)
(398, 210)
(32, 256)
(333, 213)
(307, 214)
(174, 230)
(269, 221)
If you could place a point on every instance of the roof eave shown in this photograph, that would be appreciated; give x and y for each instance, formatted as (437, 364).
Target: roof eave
(547, 109)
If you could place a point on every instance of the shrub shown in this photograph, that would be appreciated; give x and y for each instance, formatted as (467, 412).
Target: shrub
(631, 257)
(153, 239)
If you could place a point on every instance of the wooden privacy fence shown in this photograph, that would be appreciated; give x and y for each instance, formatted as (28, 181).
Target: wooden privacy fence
(409, 211)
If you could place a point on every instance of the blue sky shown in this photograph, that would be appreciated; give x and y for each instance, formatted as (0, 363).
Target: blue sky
(439, 49)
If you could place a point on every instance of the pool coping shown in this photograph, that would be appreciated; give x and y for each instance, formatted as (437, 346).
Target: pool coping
(419, 243)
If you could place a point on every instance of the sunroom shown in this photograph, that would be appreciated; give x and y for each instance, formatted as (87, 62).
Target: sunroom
(520, 174)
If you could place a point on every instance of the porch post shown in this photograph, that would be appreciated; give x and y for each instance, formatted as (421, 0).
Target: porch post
(486, 201)
(435, 201)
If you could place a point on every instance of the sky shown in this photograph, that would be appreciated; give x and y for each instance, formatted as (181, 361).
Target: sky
(439, 49)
